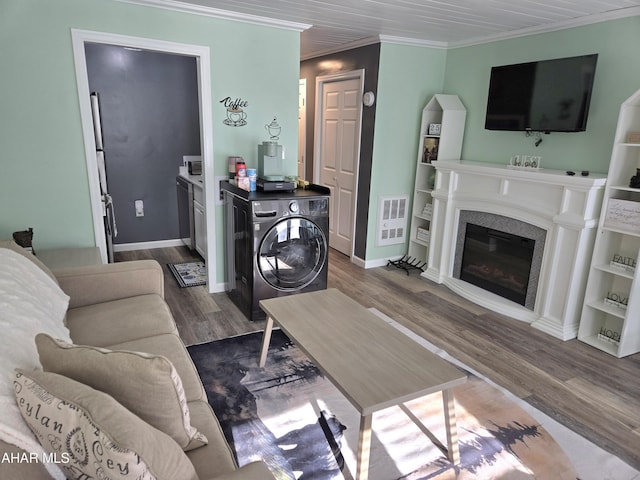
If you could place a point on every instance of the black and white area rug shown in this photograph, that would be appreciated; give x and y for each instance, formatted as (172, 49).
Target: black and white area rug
(290, 416)
(189, 274)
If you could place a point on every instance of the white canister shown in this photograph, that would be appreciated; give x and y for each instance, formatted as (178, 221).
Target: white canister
(253, 177)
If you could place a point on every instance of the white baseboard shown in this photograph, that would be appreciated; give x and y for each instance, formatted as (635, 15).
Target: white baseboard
(126, 247)
(379, 262)
(216, 287)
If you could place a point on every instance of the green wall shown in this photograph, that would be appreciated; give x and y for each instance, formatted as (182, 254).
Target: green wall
(43, 175)
(408, 77)
(617, 77)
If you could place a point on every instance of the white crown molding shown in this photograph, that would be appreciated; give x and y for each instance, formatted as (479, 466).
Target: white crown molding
(222, 14)
(363, 42)
(412, 41)
(524, 32)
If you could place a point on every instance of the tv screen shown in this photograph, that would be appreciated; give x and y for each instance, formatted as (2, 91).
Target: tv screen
(545, 96)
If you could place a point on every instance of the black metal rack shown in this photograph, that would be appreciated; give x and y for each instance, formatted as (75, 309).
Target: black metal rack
(408, 263)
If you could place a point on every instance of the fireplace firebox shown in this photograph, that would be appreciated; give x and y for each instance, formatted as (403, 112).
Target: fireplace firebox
(499, 254)
(497, 261)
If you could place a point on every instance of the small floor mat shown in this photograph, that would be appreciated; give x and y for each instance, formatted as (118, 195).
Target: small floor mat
(189, 274)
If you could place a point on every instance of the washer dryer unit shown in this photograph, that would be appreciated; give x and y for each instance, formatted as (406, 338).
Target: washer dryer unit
(279, 246)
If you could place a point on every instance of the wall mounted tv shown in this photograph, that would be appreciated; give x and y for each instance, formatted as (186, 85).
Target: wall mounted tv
(545, 96)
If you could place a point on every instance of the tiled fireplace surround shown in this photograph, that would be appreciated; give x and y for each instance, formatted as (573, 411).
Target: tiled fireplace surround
(565, 207)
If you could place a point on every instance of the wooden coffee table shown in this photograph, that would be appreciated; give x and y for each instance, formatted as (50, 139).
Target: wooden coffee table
(372, 363)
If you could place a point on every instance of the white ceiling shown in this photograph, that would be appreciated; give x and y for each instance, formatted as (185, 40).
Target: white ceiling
(332, 25)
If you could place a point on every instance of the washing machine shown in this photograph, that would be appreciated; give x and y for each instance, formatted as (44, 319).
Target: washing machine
(280, 247)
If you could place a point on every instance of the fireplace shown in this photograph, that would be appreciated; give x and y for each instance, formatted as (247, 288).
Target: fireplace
(556, 212)
(499, 254)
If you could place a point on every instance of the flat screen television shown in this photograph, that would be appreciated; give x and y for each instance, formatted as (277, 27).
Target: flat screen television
(545, 96)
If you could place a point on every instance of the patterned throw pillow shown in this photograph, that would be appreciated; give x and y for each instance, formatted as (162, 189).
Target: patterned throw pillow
(147, 385)
(91, 435)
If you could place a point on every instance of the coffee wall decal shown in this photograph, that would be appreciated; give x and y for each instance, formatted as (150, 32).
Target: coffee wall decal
(236, 116)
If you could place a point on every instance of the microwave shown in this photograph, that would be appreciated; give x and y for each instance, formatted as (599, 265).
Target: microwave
(195, 167)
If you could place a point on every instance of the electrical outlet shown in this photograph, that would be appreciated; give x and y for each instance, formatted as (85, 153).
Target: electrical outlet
(139, 208)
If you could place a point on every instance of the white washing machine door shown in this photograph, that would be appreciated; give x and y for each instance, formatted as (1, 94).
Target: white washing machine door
(292, 254)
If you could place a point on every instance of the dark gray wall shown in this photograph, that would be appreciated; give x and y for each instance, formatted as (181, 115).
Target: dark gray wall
(150, 119)
(367, 58)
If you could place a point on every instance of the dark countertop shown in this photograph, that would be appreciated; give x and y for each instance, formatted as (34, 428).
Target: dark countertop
(311, 191)
(196, 180)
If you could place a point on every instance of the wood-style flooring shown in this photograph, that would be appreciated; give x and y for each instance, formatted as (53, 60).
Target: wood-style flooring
(592, 393)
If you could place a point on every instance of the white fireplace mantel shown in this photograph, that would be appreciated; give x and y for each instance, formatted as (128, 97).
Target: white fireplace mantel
(567, 207)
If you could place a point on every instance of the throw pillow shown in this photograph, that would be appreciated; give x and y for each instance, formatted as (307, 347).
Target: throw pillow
(93, 436)
(148, 385)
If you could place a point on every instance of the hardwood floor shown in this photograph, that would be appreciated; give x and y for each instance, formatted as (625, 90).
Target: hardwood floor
(594, 394)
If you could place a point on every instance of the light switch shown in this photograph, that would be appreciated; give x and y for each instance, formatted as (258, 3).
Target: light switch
(139, 208)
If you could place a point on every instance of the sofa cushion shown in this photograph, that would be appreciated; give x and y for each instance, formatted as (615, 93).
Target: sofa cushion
(132, 378)
(119, 321)
(92, 434)
(170, 346)
(216, 458)
(30, 302)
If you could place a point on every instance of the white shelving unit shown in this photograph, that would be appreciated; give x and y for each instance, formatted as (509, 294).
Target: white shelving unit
(448, 112)
(611, 326)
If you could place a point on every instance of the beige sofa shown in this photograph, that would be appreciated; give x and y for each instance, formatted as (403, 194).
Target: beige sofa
(121, 307)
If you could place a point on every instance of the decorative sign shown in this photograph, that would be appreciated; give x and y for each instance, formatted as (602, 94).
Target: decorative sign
(434, 128)
(236, 116)
(633, 137)
(625, 263)
(529, 162)
(617, 300)
(623, 215)
(274, 130)
(430, 149)
(609, 335)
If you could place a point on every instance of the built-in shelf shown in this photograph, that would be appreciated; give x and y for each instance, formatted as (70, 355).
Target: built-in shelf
(448, 112)
(609, 328)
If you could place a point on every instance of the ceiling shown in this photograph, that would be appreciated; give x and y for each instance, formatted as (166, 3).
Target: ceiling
(331, 25)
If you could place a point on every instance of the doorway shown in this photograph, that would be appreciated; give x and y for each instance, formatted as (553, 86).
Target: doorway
(337, 148)
(149, 118)
(201, 56)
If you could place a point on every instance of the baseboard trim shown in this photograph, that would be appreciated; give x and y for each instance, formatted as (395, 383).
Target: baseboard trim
(380, 262)
(127, 247)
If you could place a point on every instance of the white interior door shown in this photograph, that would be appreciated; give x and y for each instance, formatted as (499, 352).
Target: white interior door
(302, 127)
(338, 151)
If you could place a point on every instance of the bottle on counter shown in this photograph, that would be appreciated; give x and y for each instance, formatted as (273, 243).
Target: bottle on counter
(232, 166)
(253, 177)
(241, 169)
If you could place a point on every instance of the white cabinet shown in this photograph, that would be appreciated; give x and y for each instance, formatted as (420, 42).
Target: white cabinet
(611, 314)
(199, 220)
(446, 116)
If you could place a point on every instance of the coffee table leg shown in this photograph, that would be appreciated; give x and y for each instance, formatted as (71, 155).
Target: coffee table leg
(364, 448)
(451, 427)
(266, 338)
